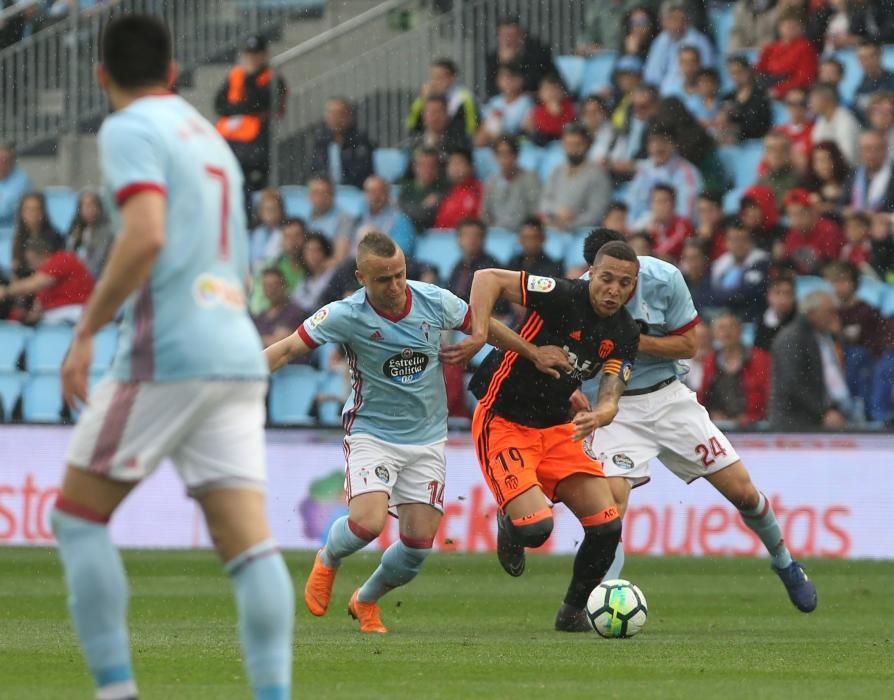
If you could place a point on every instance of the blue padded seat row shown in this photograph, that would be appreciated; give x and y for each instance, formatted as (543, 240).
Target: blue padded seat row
(293, 391)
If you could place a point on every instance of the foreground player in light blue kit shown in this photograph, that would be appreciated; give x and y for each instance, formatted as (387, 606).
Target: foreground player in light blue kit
(189, 378)
(395, 421)
(659, 417)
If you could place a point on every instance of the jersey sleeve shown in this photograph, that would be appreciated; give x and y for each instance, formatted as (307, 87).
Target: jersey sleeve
(623, 353)
(545, 294)
(131, 158)
(456, 313)
(330, 324)
(681, 314)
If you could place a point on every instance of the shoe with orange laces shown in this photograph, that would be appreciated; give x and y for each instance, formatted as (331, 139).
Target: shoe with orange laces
(367, 614)
(318, 590)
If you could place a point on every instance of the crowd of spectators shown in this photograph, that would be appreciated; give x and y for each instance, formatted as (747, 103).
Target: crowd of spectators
(641, 155)
(25, 18)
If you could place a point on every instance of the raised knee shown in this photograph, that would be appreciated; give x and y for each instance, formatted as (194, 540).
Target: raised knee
(367, 527)
(533, 530)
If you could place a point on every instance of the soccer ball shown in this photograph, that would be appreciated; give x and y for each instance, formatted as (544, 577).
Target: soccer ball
(617, 608)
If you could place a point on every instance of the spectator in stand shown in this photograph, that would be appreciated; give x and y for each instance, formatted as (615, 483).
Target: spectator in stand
(421, 195)
(289, 264)
(809, 388)
(881, 251)
(32, 223)
(662, 68)
(780, 175)
(631, 145)
(24, 25)
(831, 72)
(325, 216)
(436, 132)
(706, 105)
(266, 237)
(532, 259)
(554, 109)
(689, 68)
(642, 244)
(604, 25)
(826, 178)
(861, 328)
(849, 21)
(857, 242)
(664, 166)
(466, 195)
(876, 78)
(245, 103)
(60, 283)
(758, 211)
(710, 228)
(578, 191)
(799, 127)
(627, 76)
(340, 150)
(791, 61)
(746, 112)
(667, 231)
(693, 142)
(512, 195)
(736, 383)
(461, 108)
(282, 315)
(318, 268)
(881, 397)
(381, 215)
(515, 46)
(780, 311)
(696, 267)
(616, 218)
(695, 367)
(812, 241)
(506, 113)
(753, 22)
(871, 187)
(470, 235)
(91, 235)
(881, 118)
(14, 184)
(640, 28)
(596, 119)
(739, 276)
(833, 121)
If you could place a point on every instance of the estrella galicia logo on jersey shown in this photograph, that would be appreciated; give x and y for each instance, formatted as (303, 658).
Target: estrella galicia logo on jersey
(541, 284)
(383, 473)
(405, 367)
(318, 317)
(605, 348)
(626, 369)
(622, 461)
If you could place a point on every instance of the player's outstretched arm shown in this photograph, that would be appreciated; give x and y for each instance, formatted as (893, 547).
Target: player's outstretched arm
(671, 347)
(549, 359)
(487, 287)
(283, 352)
(610, 390)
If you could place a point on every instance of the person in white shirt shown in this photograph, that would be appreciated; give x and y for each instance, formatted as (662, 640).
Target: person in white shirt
(834, 122)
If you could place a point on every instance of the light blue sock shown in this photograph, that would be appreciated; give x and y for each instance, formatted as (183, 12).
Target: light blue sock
(97, 600)
(399, 566)
(266, 603)
(762, 521)
(342, 541)
(614, 571)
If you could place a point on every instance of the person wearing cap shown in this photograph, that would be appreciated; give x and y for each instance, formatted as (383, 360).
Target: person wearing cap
(812, 241)
(627, 77)
(244, 104)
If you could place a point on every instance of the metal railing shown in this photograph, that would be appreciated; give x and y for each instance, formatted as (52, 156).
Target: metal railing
(383, 80)
(47, 84)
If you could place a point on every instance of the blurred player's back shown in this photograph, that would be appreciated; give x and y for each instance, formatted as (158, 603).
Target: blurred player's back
(190, 320)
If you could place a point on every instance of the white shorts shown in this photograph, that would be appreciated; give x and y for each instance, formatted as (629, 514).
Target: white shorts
(407, 473)
(669, 424)
(213, 431)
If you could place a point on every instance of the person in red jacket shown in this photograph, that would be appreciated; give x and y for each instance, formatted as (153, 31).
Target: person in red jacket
(667, 231)
(554, 110)
(466, 194)
(736, 382)
(812, 241)
(791, 62)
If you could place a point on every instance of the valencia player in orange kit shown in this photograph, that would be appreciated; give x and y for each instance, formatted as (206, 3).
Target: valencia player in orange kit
(529, 448)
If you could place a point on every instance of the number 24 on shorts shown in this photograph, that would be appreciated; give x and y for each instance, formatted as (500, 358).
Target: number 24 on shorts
(716, 450)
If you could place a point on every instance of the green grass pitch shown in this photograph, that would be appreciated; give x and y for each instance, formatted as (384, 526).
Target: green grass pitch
(463, 629)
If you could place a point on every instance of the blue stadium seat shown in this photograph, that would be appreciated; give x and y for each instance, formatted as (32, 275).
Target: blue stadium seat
(732, 199)
(295, 199)
(42, 398)
(13, 337)
(780, 113)
(887, 306)
(721, 21)
(871, 291)
(501, 244)
(888, 56)
(438, 247)
(556, 244)
(390, 163)
(748, 333)
(571, 68)
(47, 347)
(331, 384)
(293, 391)
(11, 384)
(553, 157)
(530, 157)
(805, 284)
(741, 161)
(574, 251)
(6, 233)
(104, 345)
(485, 163)
(597, 72)
(5, 254)
(853, 74)
(350, 200)
(62, 203)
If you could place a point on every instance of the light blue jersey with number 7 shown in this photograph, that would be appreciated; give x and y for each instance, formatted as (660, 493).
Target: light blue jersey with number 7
(190, 321)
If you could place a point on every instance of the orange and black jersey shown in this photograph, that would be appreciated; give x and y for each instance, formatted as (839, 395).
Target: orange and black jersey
(559, 313)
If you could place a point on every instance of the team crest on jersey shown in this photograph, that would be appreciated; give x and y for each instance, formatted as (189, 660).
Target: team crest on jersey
(541, 284)
(406, 367)
(376, 335)
(605, 348)
(383, 473)
(318, 317)
(622, 461)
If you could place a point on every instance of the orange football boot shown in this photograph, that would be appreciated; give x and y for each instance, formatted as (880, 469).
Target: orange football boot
(367, 614)
(318, 589)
